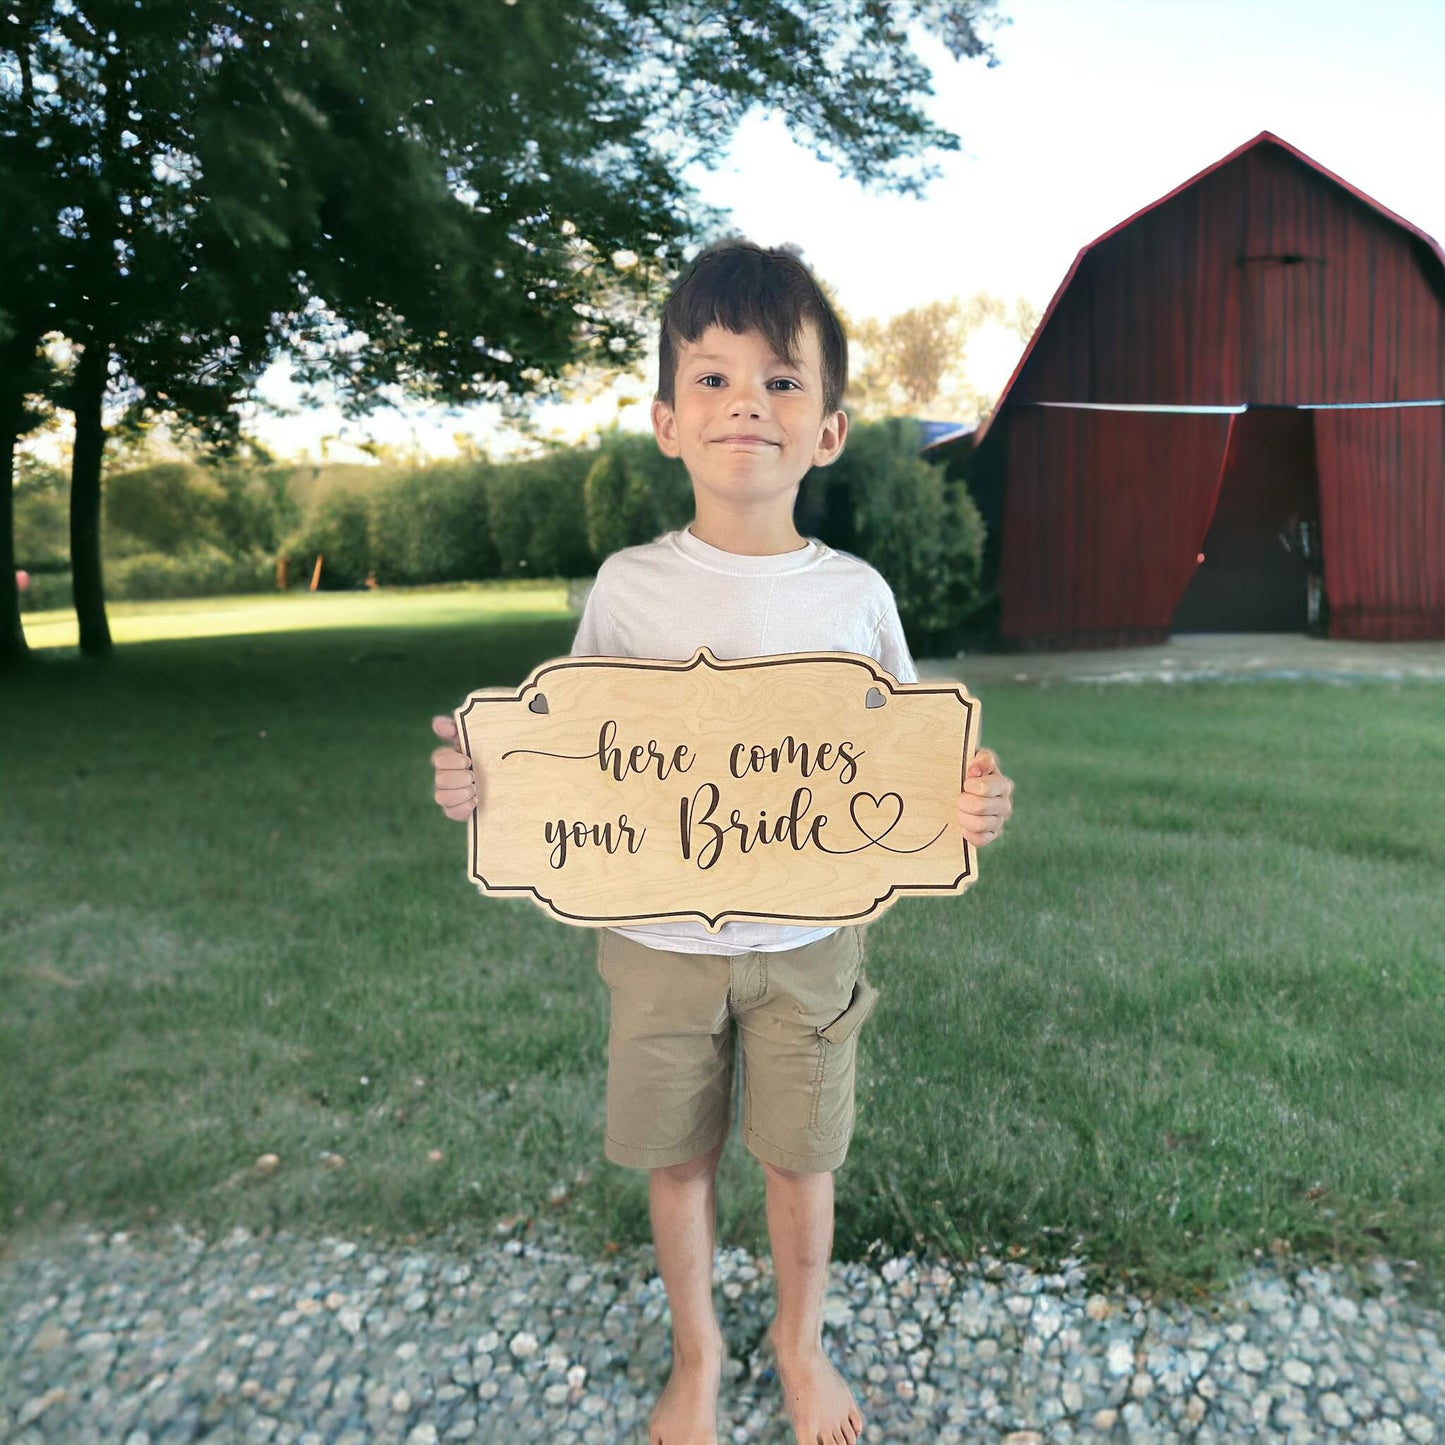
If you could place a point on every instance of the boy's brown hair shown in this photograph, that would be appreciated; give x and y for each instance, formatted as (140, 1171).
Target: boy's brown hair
(744, 287)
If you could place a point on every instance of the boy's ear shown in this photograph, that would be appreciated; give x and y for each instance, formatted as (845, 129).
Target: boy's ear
(664, 428)
(830, 439)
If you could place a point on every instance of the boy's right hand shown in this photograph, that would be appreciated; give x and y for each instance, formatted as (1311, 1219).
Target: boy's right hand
(458, 789)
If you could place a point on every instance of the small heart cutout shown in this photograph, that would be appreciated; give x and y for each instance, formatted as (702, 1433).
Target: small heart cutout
(874, 698)
(538, 703)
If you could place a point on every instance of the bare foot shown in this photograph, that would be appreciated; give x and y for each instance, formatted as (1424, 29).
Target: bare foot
(820, 1405)
(686, 1411)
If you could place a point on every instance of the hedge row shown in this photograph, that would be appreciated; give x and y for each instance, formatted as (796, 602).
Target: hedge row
(175, 530)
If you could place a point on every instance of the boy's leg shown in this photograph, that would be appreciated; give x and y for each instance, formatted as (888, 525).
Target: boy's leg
(684, 1210)
(800, 1230)
(683, 1199)
(799, 1047)
(669, 1075)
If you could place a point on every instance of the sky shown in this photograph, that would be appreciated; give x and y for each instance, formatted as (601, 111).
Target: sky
(1095, 109)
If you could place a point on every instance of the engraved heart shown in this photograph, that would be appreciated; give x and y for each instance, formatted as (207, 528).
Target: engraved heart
(878, 814)
(538, 703)
(874, 698)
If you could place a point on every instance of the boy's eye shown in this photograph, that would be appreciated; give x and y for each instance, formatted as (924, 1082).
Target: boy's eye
(787, 381)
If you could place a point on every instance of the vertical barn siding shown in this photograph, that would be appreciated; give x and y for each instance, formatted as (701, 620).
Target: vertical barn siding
(1382, 520)
(1199, 302)
(1264, 281)
(1086, 489)
(1281, 267)
(1152, 313)
(1358, 317)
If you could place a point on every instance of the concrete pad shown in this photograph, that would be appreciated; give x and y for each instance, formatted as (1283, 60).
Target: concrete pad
(1204, 657)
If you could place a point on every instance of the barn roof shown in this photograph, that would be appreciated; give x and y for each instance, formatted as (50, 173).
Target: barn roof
(1263, 138)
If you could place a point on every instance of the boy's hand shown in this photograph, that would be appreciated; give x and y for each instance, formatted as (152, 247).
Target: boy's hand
(986, 800)
(458, 789)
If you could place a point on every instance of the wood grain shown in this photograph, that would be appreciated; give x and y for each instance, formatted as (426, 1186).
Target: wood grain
(804, 788)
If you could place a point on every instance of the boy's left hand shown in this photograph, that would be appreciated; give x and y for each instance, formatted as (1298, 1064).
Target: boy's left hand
(986, 800)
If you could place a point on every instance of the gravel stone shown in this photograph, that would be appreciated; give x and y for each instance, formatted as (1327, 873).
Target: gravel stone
(1253, 1359)
(165, 1336)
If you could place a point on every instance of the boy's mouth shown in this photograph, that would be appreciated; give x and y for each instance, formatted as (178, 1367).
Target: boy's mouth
(747, 441)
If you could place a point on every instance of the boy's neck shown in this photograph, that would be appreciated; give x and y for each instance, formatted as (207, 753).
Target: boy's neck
(748, 536)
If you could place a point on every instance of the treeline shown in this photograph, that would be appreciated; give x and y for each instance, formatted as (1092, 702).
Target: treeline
(175, 529)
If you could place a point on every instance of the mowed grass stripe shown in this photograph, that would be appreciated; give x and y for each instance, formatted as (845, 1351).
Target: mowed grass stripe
(178, 619)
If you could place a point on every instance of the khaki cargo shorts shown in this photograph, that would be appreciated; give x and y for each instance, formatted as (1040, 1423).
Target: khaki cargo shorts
(670, 1050)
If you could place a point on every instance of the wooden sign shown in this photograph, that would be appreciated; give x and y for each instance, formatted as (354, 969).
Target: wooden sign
(802, 789)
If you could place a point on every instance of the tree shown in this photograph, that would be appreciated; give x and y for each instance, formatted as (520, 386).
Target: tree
(97, 110)
(446, 200)
(914, 364)
(21, 375)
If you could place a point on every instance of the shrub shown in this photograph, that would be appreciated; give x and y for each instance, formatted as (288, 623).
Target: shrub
(47, 590)
(434, 526)
(168, 508)
(42, 530)
(538, 512)
(338, 531)
(255, 510)
(923, 533)
(204, 571)
(634, 493)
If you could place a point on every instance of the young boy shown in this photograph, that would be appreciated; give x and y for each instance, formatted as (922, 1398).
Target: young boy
(753, 366)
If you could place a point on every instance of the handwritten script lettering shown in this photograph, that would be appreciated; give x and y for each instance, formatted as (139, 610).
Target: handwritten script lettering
(744, 758)
(755, 788)
(746, 835)
(642, 758)
(598, 835)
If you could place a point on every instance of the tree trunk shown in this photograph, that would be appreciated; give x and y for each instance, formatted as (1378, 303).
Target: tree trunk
(90, 380)
(14, 360)
(12, 634)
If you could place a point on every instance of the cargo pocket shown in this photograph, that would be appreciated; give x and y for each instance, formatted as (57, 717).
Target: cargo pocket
(842, 1029)
(832, 1112)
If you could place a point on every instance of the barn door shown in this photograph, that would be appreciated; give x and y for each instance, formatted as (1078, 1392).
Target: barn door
(1262, 548)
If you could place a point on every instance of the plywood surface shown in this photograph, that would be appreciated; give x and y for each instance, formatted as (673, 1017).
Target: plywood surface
(803, 789)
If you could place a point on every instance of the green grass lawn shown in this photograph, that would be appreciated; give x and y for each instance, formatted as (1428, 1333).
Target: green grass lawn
(1194, 1007)
(300, 612)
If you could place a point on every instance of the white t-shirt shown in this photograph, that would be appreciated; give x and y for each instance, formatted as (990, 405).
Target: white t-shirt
(669, 597)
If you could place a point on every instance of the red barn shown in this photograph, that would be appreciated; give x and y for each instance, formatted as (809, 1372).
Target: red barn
(1231, 418)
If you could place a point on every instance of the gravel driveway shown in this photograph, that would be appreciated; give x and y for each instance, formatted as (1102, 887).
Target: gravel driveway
(167, 1337)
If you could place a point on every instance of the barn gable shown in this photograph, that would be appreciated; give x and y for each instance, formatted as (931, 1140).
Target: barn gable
(1263, 282)
(1200, 298)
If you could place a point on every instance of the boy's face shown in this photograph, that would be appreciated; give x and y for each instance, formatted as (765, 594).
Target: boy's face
(746, 424)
